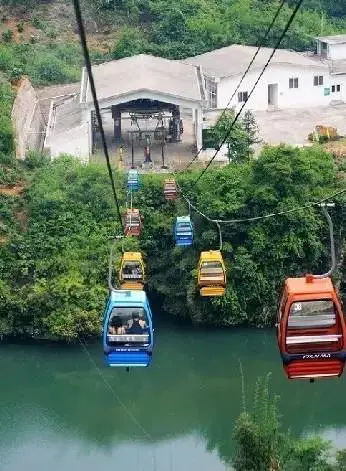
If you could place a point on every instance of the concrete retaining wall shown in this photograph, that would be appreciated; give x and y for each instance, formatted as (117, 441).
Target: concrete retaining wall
(27, 119)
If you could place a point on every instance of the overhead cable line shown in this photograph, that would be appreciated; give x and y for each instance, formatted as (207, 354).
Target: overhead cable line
(266, 216)
(295, 11)
(84, 45)
(259, 47)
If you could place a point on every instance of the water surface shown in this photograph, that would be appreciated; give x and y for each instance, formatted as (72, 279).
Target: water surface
(62, 409)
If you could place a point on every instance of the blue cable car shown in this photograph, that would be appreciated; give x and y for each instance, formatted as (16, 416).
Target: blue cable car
(183, 231)
(127, 330)
(133, 180)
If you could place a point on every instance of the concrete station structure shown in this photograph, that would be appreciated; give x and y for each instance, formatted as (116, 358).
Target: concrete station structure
(152, 101)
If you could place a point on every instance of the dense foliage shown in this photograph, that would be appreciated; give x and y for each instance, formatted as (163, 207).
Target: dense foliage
(54, 272)
(43, 45)
(190, 27)
(261, 445)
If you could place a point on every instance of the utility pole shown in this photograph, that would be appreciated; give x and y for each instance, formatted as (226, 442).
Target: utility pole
(132, 153)
(163, 153)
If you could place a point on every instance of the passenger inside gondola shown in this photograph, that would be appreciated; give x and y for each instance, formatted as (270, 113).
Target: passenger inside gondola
(128, 326)
(313, 326)
(116, 326)
(136, 325)
(212, 271)
(132, 271)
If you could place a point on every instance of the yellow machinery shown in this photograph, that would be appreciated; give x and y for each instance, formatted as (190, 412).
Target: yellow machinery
(323, 133)
(211, 274)
(131, 274)
(328, 131)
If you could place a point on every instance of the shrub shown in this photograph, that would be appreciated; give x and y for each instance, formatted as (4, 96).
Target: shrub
(6, 135)
(7, 36)
(50, 69)
(15, 75)
(36, 159)
(37, 22)
(20, 26)
(6, 58)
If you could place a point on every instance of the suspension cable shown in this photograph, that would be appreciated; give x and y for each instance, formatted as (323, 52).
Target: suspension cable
(85, 49)
(259, 47)
(295, 11)
(258, 218)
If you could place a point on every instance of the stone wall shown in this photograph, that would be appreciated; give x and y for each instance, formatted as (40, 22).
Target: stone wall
(27, 119)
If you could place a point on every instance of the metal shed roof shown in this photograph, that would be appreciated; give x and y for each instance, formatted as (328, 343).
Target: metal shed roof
(336, 39)
(233, 60)
(144, 72)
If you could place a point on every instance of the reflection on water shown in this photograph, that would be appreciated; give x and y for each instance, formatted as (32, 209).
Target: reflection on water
(178, 414)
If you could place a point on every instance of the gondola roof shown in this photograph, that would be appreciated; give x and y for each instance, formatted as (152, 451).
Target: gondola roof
(302, 286)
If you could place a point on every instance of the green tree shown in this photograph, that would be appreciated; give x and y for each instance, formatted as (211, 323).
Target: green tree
(131, 42)
(238, 140)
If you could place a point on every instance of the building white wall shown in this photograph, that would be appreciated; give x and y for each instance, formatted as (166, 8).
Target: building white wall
(337, 52)
(306, 95)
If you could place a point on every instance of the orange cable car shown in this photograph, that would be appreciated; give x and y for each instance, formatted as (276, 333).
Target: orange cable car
(132, 272)
(311, 331)
(133, 222)
(170, 189)
(211, 274)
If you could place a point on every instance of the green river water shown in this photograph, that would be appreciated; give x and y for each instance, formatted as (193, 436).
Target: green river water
(61, 409)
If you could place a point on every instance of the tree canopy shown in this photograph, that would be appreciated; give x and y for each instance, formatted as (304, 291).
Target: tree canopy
(54, 271)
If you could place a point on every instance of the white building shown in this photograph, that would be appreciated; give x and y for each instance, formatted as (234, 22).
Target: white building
(291, 80)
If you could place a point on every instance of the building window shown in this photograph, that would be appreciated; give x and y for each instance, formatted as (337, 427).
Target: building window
(336, 88)
(211, 89)
(242, 96)
(293, 82)
(318, 80)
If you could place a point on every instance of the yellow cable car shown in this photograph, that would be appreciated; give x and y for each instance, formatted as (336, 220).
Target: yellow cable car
(211, 274)
(131, 274)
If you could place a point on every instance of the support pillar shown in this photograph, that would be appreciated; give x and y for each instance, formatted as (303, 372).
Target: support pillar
(198, 128)
(116, 115)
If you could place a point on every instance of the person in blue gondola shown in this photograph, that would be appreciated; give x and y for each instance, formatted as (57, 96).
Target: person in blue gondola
(136, 325)
(116, 326)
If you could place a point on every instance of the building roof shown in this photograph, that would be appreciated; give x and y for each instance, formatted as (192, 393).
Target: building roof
(234, 60)
(336, 39)
(144, 72)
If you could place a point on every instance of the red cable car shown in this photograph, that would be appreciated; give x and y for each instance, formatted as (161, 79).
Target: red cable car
(170, 189)
(133, 222)
(311, 330)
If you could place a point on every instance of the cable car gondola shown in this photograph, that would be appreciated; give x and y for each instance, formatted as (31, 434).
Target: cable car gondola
(127, 331)
(133, 180)
(170, 189)
(311, 330)
(131, 274)
(183, 231)
(133, 222)
(211, 274)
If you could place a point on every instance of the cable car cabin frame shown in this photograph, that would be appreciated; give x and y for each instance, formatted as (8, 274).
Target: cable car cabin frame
(128, 348)
(170, 189)
(133, 182)
(211, 280)
(183, 231)
(132, 222)
(132, 271)
(311, 346)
